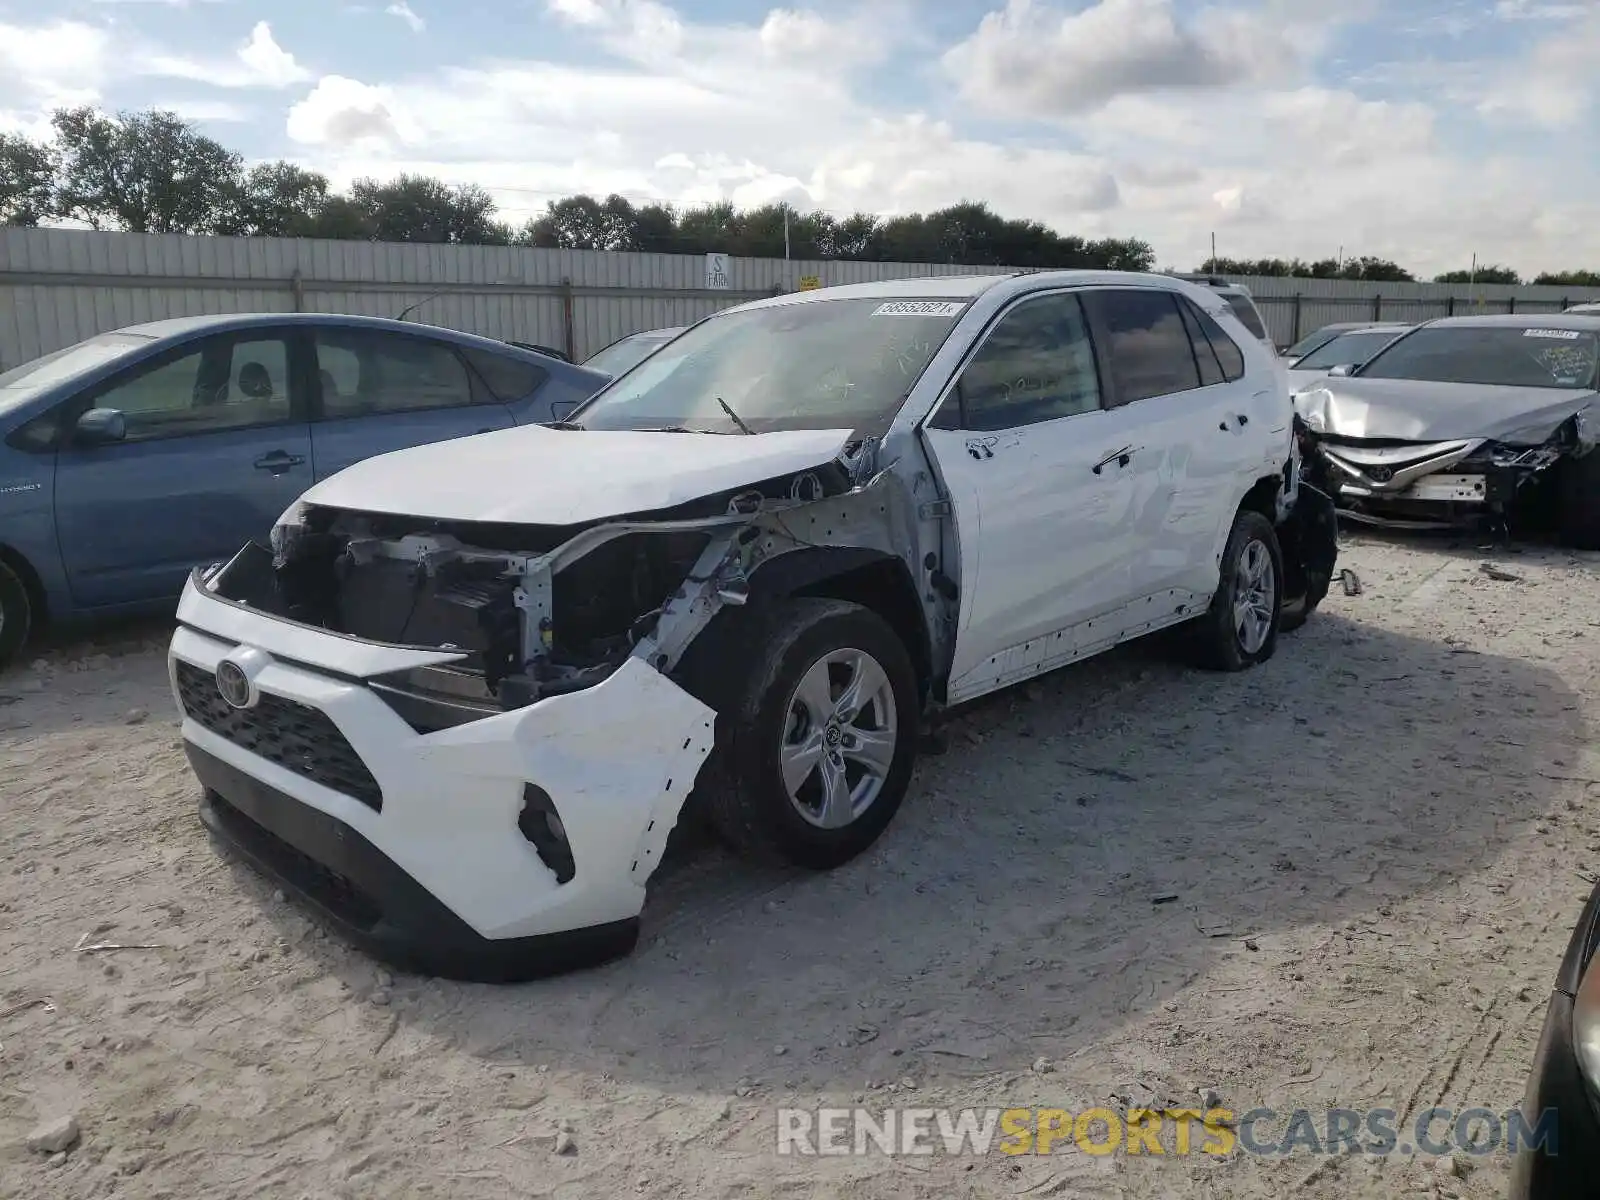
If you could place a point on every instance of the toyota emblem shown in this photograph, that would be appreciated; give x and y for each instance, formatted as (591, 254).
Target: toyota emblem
(1381, 474)
(233, 685)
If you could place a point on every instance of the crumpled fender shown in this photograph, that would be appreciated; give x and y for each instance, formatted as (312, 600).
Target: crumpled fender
(1308, 537)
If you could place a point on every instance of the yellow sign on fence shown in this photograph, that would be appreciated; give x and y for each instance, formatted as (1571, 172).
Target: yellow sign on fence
(810, 283)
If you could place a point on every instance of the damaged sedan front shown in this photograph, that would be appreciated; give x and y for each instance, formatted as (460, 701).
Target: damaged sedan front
(1466, 421)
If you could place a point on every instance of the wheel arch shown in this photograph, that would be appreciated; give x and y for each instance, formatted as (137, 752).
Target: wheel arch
(871, 578)
(32, 583)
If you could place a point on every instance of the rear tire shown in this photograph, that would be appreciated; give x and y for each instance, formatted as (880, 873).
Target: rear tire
(16, 614)
(801, 773)
(1580, 501)
(1240, 629)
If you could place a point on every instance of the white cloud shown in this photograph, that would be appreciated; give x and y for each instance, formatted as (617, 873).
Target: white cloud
(65, 62)
(1131, 118)
(1036, 60)
(404, 11)
(1555, 85)
(259, 63)
(342, 112)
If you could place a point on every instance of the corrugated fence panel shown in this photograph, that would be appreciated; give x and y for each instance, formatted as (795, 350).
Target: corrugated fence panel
(58, 286)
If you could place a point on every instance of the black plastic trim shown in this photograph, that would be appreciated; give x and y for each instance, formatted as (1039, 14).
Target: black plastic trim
(369, 899)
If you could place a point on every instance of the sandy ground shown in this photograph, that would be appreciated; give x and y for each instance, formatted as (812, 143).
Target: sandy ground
(1374, 843)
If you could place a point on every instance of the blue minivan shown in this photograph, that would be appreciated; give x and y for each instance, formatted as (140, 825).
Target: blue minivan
(129, 458)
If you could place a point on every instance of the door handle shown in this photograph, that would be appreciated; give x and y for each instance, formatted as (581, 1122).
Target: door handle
(1120, 457)
(278, 461)
(1240, 420)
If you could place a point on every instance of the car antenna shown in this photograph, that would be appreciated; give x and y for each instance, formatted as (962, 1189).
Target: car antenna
(734, 417)
(411, 308)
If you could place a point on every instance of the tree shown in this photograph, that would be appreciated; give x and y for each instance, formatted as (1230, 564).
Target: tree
(584, 223)
(27, 180)
(1375, 269)
(148, 172)
(418, 208)
(279, 199)
(1482, 274)
(1569, 278)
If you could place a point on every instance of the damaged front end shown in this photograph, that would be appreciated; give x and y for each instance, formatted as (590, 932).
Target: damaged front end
(532, 611)
(466, 741)
(1459, 483)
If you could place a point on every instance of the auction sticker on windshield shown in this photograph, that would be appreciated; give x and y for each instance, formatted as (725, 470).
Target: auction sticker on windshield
(919, 308)
(1570, 335)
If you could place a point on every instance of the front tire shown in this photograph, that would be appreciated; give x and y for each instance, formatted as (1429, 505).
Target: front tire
(816, 731)
(16, 614)
(1240, 629)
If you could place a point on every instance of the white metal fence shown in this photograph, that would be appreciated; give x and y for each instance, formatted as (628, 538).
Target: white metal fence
(58, 286)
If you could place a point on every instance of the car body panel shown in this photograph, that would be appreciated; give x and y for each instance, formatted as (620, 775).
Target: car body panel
(559, 477)
(114, 528)
(1570, 1168)
(617, 809)
(1422, 411)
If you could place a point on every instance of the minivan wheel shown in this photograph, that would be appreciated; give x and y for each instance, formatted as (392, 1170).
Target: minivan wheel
(16, 614)
(1240, 629)
(816, 734)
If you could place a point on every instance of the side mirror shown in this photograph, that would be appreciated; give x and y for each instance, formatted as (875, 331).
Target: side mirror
(99, 427)
(560, 410)
(1343, 369)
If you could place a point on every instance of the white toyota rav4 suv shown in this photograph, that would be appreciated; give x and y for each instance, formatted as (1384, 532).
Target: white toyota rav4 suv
(462, 699)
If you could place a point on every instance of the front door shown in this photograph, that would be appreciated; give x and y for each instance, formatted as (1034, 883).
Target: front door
(216, 447)
(1047, 487)
(381, 391)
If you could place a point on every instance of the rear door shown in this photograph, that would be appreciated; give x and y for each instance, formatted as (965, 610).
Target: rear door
(217, 446)
(378, 391)
(1194, 421)
(1045, 492)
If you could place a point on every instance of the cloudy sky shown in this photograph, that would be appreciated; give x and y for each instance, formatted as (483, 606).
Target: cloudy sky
(1421, 130)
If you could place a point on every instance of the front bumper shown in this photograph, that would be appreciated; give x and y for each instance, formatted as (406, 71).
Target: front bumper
(413, 843)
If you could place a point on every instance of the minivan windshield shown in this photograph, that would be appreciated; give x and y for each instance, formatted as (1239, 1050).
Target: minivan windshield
(1495, 355)
(22, 383)
(816, 364)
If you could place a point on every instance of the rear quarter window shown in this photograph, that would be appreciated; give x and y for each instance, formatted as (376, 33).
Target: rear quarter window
(506, 378)
(1245, 310)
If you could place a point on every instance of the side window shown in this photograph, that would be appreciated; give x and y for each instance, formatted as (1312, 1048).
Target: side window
(227, 383)
(1227, 350)
(1204, 356)
(506, 378)
(1149, 347)
(364, 374)
(1244, 308)
(1037, 364)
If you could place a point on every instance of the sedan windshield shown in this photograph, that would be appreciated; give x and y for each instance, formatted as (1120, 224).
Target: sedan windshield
(621, 357)
(819, 364)
(22, 383)
(1495, 355)
(1347, 348)
(1311, 342)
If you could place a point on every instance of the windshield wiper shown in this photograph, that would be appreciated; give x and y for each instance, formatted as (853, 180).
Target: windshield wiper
(734, 417)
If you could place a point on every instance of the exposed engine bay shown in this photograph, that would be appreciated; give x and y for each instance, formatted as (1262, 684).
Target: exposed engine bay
(540, 610)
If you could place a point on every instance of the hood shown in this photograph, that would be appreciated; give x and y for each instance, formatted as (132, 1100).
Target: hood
(1413, 410)
(531, 475)
(1303, 379)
